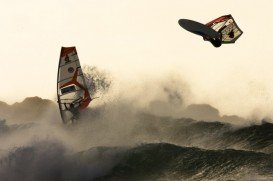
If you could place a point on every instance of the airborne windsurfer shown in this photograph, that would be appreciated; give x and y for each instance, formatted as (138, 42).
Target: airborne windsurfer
(216, 42)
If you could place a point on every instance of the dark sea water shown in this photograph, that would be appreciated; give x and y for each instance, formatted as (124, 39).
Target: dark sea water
(167, 149)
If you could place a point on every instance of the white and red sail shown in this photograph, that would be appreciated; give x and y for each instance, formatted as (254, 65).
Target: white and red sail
(72, 92)
(228, 28)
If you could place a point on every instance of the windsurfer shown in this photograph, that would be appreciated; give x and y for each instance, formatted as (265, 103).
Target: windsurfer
(73, 109)
(217, 42)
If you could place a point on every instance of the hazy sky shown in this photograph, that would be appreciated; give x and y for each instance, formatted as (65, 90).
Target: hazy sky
(132, 38)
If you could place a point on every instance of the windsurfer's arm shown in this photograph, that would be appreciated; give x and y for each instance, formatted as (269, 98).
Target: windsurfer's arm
(94, 98)
(65, 106)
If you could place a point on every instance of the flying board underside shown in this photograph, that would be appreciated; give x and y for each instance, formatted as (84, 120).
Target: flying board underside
(72, 92)
(198, 28)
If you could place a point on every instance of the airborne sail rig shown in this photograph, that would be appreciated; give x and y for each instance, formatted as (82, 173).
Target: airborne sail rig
(220, 31)
(227, 28)
(72, 92)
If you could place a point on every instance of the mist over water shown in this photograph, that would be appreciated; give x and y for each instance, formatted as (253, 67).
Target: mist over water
(147, 131)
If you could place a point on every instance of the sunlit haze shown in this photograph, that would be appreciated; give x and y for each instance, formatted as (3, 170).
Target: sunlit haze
(137, 39)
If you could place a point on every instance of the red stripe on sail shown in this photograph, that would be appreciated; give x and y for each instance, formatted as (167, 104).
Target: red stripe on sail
(66, 50)
(86, 99)
(217, 20)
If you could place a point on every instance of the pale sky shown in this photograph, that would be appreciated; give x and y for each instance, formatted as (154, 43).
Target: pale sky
(131, 38)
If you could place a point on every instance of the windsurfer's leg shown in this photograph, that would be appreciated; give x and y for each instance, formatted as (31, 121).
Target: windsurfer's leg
(72, 119)
(231, 34)
(216, 42)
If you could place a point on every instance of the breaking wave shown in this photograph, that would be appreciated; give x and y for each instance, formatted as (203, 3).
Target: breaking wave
(207, 135)
(49, 160)
(164, 149)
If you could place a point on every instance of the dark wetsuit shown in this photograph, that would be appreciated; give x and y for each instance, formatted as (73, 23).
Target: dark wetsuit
(73, 110)
(216, 42)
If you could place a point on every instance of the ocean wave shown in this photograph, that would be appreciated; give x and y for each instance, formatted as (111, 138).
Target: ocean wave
(153, 161)
(204, 134)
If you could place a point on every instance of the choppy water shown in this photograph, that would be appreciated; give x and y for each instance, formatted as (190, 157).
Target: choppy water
(163, 149)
